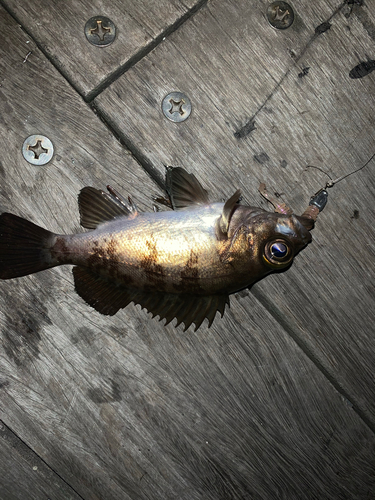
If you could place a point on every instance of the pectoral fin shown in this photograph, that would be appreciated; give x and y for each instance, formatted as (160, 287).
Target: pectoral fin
(107, 298)
(97, 206)
(184, 189)
(222, 224)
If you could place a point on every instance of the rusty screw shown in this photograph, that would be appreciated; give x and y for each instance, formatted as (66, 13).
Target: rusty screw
(176, 106)
(280, 15)
(37, 149)
(100, 31)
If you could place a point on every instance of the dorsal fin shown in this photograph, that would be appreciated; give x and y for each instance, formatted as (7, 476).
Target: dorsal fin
(184, 189)
(97, 206)
(223, 221)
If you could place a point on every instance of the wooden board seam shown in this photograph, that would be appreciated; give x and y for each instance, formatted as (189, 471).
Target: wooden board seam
(291, 330)
(112, 77)
(31, 457)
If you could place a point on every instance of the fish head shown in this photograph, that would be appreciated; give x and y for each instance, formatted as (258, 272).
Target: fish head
(262, 242)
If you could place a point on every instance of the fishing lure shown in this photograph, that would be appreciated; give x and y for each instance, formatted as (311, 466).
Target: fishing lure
(180, 264)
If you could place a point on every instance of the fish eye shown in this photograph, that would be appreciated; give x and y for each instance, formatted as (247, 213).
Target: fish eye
(278, 250)
(278, 253)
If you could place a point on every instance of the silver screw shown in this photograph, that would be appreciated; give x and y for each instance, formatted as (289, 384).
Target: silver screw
(280, 15)
(176, 107)
(37, 149)
(100, 31)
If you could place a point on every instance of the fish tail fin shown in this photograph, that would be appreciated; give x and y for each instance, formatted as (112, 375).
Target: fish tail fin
(25, 248)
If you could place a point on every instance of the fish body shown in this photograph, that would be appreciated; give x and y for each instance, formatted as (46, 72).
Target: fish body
(178, 251)
(182, 263)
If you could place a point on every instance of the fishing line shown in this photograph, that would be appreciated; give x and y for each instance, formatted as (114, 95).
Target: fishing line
(332, 182)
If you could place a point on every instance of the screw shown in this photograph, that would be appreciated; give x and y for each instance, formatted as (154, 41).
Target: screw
(37, 149)
(280, 15)
(100, 31)
(176, 106)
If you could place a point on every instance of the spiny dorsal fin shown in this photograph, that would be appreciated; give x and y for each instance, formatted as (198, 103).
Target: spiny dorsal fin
(222, 224)
(96, 206)
(184, 189)
(108, 298)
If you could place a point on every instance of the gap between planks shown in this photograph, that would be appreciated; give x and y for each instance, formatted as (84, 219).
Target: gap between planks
(112, 77)
(292, 331)
(32, 458)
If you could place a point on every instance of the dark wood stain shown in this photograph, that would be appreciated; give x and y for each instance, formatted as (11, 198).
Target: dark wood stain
(362, 69)
(304, 72)
(246, 129)
(24, 320)
(24, 345)
(355, 214)
(323, 27)
(101, 395)
(261, 157)
(2, 171)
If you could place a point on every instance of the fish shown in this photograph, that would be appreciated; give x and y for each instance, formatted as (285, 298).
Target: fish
(182, 263)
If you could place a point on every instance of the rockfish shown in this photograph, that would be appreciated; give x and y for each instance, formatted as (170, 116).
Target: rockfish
(180, 264)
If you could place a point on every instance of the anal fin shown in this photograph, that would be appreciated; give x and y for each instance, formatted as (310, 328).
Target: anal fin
(185, 308)
(107, 298)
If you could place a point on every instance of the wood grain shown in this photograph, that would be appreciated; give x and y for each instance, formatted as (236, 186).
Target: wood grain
(24, 475)
(323, 119)
(59, 31)
(125, 408)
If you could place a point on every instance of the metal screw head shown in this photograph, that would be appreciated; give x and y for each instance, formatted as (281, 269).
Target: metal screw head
(37, 149)
(280, 15)
(100, 31)
(176, 106)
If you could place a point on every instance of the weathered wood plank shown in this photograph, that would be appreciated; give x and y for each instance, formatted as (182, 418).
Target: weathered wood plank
(35, 99)
(324, 119)
(85, 151)
(59, 31)
(126, 408)
(235, 411)
(24, 475)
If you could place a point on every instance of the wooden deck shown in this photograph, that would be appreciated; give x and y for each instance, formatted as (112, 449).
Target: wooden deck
(275, 400)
